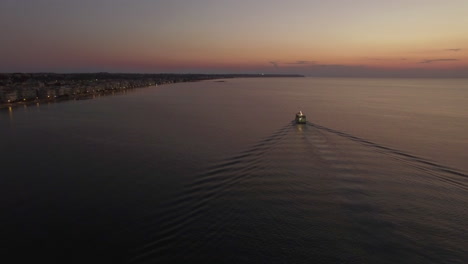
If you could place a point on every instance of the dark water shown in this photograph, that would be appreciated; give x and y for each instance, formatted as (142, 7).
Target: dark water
(217, 172)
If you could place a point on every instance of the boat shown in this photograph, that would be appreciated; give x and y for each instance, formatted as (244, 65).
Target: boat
(300, 118)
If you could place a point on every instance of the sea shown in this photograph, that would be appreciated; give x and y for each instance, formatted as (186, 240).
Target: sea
(217, 171)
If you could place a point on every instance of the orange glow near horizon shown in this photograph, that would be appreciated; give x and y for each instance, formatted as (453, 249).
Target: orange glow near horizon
(219, 36)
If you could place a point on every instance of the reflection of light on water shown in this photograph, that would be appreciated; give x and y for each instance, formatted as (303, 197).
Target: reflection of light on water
(299, 127)
(10, 112)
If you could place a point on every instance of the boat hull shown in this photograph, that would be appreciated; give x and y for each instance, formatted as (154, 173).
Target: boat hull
(301, 119)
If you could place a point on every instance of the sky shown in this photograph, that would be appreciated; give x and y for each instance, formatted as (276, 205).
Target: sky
(350, 38)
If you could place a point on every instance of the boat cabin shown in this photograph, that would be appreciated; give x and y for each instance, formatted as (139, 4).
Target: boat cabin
(300, 118)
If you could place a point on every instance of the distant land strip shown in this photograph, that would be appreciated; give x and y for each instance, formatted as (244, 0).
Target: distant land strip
(27, 88)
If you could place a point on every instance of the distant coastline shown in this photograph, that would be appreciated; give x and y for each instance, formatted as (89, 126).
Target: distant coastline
(29, 88)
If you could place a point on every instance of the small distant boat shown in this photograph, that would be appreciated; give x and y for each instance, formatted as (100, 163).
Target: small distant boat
(300, 118)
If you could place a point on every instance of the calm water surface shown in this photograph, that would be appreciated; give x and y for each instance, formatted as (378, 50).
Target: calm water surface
(217, 172)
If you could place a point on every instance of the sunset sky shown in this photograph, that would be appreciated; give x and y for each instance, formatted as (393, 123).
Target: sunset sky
(314, 38)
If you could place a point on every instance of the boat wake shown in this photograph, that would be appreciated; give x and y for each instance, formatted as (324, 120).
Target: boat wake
(428, 166)
(307, 192)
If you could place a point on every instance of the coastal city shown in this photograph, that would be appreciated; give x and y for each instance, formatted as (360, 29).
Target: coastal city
(26, 88)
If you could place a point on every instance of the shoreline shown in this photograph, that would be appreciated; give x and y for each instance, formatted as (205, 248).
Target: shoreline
(76, 97)
(18, 89)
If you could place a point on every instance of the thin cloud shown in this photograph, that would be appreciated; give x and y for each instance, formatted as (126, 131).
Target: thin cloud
(377, 59)
(302, 62)
(383, 59)
(346, 70)
(437, 60)
(451, 50)
(276, 64)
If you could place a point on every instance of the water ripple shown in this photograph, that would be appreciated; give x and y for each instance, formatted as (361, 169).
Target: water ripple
(308, 193)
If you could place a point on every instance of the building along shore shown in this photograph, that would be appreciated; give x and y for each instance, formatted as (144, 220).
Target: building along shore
(26, 88)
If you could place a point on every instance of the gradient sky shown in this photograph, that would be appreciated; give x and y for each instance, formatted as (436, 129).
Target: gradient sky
(315, 38)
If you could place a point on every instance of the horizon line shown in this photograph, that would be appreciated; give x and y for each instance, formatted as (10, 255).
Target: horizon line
(247, 74)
